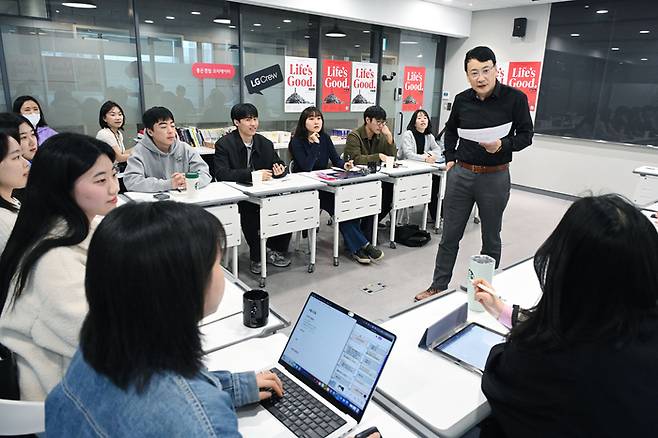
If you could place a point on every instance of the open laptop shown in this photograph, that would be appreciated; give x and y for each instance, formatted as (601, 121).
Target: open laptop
(329, 368)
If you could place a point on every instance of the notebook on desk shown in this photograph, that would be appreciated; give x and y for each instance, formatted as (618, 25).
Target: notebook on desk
(329, 368)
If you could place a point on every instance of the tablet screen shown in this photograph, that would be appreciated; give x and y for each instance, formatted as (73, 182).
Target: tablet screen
(471, 345)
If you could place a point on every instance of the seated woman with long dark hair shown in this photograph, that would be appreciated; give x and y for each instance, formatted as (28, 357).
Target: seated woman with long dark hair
(311, 149)
(582, 362)
(72, 179)
(13, 175)
(139, 369)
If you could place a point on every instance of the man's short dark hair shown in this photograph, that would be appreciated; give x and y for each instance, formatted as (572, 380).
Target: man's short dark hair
(155, 115)
(242, 111)
(374, 112)
(481, 53)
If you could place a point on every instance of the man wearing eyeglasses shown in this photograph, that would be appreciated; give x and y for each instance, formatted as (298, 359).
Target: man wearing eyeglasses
(372, 142)
(479, 172)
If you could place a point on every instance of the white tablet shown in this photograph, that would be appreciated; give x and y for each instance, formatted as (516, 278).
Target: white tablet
(470, 346)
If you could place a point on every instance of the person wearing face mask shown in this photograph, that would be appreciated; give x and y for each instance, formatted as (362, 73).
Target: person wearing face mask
(419, 144)
(29, 107)
(479, 172)
(111, 120)
(160, 160)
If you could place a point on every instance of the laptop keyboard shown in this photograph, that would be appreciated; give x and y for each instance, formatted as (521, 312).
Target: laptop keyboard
(300, 412)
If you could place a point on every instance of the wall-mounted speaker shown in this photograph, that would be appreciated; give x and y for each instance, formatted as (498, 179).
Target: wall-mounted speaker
(519, 27)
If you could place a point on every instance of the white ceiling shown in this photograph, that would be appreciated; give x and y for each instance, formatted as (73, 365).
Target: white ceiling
(481, 5)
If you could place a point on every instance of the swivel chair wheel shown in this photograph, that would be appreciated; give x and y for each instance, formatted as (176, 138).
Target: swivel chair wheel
(336, 262)
(311, 268)
(392, 245)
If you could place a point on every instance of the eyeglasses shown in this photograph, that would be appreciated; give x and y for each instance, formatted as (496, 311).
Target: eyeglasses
(380, 122)
(474, 74)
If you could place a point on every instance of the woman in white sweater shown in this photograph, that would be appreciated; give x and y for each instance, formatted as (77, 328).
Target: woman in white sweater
(419, 144)
(42, 270)
(111, 121)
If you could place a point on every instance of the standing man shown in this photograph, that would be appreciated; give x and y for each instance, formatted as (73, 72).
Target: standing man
(239, 153)
(479, 172)
(372, 142)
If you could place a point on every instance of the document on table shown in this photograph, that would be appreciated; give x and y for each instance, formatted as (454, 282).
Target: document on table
(485, 135)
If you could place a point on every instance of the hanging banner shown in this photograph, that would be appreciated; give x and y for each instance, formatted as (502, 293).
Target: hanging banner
(364, 85)
(262, 79)
(336, 86)
(413, 89)
(301, 77)
(525, 77)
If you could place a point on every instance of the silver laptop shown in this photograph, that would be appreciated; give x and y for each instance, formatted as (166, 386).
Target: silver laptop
(329, 368)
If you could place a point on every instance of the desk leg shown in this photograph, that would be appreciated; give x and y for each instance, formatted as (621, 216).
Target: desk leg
(311, 235)
(375, 222)
(393, 222)
(235, 261)
(263, 261)
(336, 243)
(423, 224)
(438, 224)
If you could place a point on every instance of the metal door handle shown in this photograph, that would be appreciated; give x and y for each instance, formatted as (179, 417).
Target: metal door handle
(401, 120)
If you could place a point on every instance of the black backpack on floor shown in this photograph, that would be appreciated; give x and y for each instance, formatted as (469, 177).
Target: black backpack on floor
(411, 235)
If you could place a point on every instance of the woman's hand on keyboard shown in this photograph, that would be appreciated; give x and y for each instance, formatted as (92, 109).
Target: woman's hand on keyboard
(268, 384)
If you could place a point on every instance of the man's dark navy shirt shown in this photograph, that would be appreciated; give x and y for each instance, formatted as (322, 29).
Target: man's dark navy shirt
(506, 104)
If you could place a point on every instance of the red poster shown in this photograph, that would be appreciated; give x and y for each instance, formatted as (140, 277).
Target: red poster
(202, 70)
(336, 86)
(413, 89)
(525, 77)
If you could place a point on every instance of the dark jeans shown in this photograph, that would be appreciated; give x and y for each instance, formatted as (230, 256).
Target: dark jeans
(387, 199)
(491, 192)
(250, 223)
(352, 234)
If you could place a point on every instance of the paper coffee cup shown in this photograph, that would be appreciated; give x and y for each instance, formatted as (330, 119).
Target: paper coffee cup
(192, 183)
(480, 266)
(390, 161)
(256, 178)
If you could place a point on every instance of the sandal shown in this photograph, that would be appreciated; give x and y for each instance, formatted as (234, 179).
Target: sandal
(429, 292)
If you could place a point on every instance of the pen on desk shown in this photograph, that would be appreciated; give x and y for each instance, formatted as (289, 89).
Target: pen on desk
(485, 288)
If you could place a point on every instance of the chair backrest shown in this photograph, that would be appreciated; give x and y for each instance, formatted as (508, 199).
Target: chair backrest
(22, 417)
(291, 166)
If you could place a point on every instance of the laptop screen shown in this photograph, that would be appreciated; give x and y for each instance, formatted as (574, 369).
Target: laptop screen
(337, 353)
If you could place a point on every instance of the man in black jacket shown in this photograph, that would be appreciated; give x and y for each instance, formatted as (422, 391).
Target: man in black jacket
(237, 155)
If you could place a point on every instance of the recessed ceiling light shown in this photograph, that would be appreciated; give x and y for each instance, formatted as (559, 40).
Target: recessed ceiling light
(80, 5)
(602, 11)
(307, 37)
(586, 6)
(257, 25)
(232, 27)
(357, 45)
(195, 13)
(645, 31)
(287, 21)
(614, 48)
(409, 42)
(251, 30)
(148, 21)
(366, 31)
(278, 27)
(221, 20)
(170, 17)
(575, 35)
(420, 55)
(57, 10)
(643, 59)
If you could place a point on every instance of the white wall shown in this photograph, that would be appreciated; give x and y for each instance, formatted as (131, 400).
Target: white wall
(569, 166)
(404, 14)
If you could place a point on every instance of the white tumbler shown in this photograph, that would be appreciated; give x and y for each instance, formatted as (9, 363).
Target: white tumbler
(481, 266)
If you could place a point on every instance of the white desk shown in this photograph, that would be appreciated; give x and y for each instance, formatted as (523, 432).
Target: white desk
(220, 200)
(423, 388)
(354, 198)
(286, 205)
(225, 327)
(646, 191)
(648, 214)
(440, 170)
(412, 185)
(652, 207)
(262, 353)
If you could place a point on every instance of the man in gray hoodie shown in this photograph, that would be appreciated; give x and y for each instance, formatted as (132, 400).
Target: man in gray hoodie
(160, 160)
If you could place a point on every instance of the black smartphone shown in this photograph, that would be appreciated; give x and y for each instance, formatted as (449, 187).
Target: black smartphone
(366, 433)
(244, 184)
